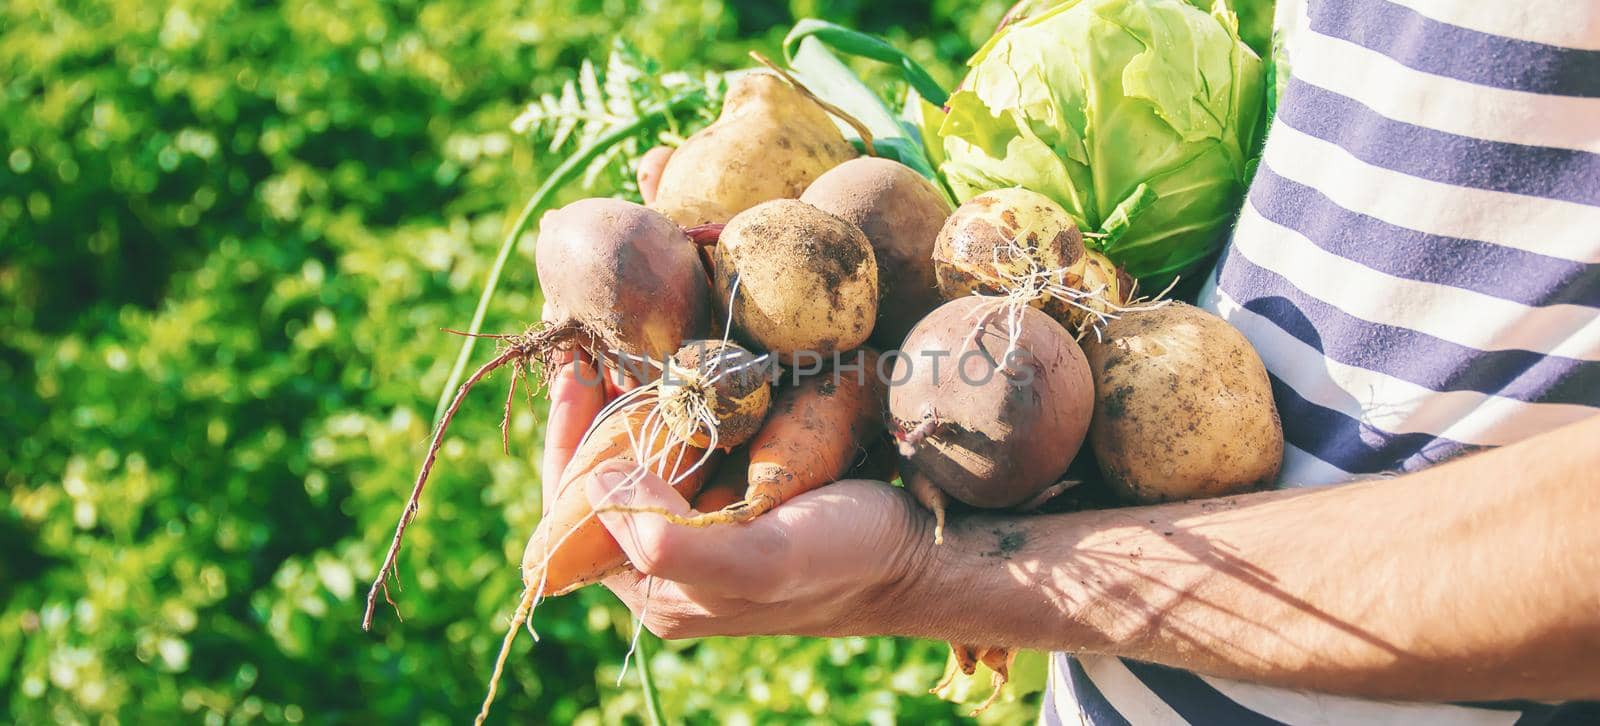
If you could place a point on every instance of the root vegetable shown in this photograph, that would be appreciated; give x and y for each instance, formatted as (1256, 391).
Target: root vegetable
(770, 142)
(999, 661)
(570, 547)
(901, 213)
(967, 657)
(618, 279)
(715, 394)
(797, 280)
(997, 435)
(995, 241)
(1018, 243)
(818, 430)
(727, 485)
(1183, 410)
(649, 172)
(990, 401)
(1110, 292)
(1183, 407)
(712, 393)
(626, 274)
(974, 251)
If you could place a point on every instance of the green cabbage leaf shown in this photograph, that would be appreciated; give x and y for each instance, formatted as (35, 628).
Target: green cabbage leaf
(1141, 117)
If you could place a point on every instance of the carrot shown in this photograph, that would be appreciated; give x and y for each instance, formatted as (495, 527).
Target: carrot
(965, 659)
(571, 547)
(999, 660)
(817, 432)
(816, 435)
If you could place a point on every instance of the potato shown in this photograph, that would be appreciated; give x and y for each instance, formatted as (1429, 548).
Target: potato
(807, 280)
(901, 212)
(1183, 408)
(769, 143)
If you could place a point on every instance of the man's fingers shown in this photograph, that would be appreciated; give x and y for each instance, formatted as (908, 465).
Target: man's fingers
(666, 607)
(624, 484)
(576, 397)
(628, 584)
(731, 559)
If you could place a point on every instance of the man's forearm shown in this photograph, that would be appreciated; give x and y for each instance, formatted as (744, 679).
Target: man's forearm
(1474, 580)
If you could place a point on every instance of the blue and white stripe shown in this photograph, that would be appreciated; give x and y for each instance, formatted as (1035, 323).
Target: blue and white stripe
(1418, 263)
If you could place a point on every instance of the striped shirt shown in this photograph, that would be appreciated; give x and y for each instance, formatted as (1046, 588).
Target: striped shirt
(1418, 263)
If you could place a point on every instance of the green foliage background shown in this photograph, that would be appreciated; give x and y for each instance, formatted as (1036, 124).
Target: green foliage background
(229, 235)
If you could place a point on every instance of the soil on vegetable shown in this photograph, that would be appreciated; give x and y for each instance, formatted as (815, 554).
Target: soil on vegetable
(1115, 404)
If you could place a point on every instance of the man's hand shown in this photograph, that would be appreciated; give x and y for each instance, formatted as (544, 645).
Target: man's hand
(1468, 581)
(830, 562)
(827, 563)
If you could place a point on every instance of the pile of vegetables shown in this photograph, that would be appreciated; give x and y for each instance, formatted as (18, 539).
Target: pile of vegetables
(773, 306)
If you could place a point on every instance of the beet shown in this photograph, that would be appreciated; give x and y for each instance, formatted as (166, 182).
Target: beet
(1000, 420)
(628, 275)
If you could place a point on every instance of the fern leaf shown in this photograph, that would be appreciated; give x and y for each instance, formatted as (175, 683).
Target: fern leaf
(605, 97)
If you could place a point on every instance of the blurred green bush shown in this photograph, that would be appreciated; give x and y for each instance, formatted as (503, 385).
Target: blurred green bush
(229, 235)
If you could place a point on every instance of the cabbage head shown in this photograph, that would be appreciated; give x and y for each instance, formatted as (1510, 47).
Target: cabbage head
(1141, 117)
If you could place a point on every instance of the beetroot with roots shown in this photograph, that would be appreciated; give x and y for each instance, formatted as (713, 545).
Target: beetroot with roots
(996, 422)
(625, 274)
(621, 280)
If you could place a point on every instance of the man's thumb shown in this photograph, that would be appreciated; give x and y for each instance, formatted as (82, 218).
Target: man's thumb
(625, 484)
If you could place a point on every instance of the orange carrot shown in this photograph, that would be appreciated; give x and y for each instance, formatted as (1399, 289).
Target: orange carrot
(999, 660)
(966, 663)
(817, 431)
(571, 547)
